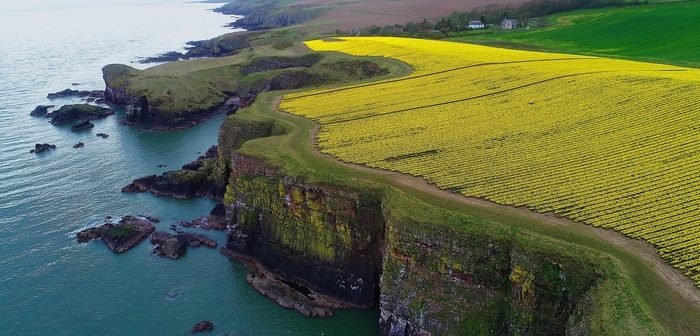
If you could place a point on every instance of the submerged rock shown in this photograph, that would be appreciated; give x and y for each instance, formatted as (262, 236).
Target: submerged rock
(203, 326)
(120, 237)
(39, 148)
(102, 135)
(79, 145)
(82, 126)
(71, 113)
(41, 110)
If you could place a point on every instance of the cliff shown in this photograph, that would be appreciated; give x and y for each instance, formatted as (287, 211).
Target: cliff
(428, 270)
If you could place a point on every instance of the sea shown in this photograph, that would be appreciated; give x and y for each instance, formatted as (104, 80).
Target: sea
(49, 283)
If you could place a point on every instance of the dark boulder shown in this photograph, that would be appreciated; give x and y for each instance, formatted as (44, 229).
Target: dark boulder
(102, 135)
(41, 110)
(39, 148)
(79, 145)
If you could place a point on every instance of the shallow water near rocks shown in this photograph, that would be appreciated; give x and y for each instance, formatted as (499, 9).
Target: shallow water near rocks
(50, 284)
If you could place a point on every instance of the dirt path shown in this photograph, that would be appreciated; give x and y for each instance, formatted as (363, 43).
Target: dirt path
(643, 250)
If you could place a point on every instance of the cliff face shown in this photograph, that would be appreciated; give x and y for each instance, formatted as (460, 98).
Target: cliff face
(440, 276)
(445, 281)
(323, 238)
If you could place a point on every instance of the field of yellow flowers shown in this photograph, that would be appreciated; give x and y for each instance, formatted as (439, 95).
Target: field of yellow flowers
(611, 143)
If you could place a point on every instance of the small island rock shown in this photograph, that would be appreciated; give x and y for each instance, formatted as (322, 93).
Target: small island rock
(120, 237)
(39, 148)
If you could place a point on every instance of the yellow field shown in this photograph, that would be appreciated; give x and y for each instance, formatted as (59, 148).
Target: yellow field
(607, 142)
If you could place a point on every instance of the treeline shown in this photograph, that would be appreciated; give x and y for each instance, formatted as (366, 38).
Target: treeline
(489, 14)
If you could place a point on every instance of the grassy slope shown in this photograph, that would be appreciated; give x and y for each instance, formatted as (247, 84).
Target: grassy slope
(663, 33)
(618, 300)
(200, 84)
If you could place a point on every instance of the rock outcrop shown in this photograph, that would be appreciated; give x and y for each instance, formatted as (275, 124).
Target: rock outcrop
(120, 237)
(40, 148)
(78, 112)
(68, 93)
(174, 246)
(41, 110)
(202, 178)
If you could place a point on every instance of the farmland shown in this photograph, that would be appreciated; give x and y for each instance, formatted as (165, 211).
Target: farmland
(663, 33)
(606, 142)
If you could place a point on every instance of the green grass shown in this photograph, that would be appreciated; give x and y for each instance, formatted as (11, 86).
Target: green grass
(121, 231)
(633, 299)
(660, 33)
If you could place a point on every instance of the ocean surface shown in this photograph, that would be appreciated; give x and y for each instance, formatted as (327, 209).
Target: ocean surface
(50, 284)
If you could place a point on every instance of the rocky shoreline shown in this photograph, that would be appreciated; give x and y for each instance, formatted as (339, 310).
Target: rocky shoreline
(195, 179)
(284, 292)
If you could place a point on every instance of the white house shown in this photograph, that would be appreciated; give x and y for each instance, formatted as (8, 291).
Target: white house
(476, 25)
(509, 23)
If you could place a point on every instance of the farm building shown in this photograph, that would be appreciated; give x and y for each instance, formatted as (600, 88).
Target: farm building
(476, 25)
(509, 23)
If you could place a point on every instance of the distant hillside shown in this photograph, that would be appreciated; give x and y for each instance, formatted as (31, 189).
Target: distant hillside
(664, 33)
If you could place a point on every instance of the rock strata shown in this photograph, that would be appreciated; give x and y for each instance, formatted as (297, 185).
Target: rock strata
(120, 237)
(286, 293)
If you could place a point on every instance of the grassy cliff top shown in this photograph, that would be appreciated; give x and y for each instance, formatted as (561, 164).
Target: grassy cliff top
(180, 87)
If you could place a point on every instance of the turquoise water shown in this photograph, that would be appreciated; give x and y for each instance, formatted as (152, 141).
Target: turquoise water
(51, 285)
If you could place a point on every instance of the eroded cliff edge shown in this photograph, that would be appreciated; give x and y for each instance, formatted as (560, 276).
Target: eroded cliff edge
(428, 270)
